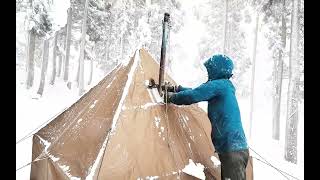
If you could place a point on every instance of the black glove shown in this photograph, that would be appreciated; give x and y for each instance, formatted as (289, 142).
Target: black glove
(167, 96)
(168, 87)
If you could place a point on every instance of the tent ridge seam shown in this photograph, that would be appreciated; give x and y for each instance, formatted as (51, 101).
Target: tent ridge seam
(125, 93)
(114, 120)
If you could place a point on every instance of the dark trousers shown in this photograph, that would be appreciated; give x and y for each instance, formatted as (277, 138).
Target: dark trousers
(233, 165)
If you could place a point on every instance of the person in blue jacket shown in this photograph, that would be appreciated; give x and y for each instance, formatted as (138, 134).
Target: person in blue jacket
(223, 111)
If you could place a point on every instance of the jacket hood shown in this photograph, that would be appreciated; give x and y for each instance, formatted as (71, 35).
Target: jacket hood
(219, 67)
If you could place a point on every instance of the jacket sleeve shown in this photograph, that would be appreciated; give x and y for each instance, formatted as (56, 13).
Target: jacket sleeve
(204, 92)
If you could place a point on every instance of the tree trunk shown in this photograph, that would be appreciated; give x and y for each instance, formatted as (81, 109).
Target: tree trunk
(108, 53)
(109, 44)
(121, 47)
(105, 52)
(77, 78)
(292, 110)
(30, 59)
(225, 26)
(253, 72)
(91, 71)
(60, 54)
(59, 65)
(54, 70)
(68, 41)
(64, 51)
(149, 16)
(83, 40)
(277, 97)
(44, 66)
(278, 73)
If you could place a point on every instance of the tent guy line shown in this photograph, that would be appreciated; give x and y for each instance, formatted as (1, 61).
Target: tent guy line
(269, 164)
(32, 132)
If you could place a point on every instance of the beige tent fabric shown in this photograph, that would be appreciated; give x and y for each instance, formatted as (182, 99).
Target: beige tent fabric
(134, 136)
(73, 139)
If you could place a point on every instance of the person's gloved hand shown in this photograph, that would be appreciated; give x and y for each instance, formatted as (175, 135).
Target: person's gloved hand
(167, 96)
(169, 87)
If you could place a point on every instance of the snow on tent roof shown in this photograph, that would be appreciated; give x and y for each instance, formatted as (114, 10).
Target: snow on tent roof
(118, 130)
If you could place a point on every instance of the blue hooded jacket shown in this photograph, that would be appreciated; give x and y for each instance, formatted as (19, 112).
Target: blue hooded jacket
(223, 110)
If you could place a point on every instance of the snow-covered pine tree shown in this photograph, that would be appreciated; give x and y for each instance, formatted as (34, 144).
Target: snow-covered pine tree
(253, 71)
(38, 27)
(82, 46)
(293, 89)
(276, 19)
(67, 45)
(54, 56)
(44, 66)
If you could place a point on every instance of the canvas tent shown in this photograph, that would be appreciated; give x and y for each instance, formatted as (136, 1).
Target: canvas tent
(120, 130)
